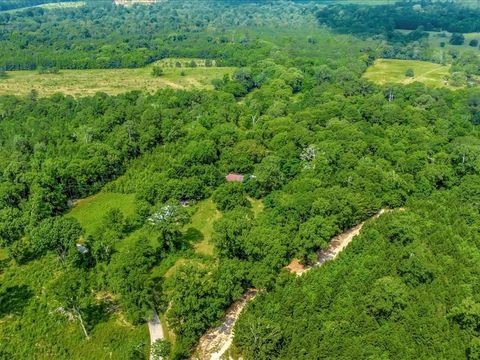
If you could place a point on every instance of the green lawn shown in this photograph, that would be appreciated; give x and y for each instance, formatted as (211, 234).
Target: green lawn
(80, 83)
(197, 233)
(200, 229)
(257, 206)
(3, 254)
(90, 211)
(393, 71)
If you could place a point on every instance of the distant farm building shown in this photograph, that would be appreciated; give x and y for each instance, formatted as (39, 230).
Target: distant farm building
(234, 177)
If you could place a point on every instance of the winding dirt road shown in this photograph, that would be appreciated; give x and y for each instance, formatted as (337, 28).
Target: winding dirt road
(214, 344)
(336, 245)
(216, 341)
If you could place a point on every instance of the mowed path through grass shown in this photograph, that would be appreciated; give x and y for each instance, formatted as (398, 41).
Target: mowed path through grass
(80, 83)
(393, 71)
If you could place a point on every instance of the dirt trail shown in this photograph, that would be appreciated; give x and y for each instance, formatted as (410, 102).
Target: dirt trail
(336, 246)
(217, 341)
(421, 76)
(156, 330)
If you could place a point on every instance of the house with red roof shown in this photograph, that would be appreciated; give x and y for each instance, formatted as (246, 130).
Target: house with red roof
(234, 177)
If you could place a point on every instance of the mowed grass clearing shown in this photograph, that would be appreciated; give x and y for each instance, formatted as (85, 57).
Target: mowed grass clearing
(81, 83)
(393, 71)
(90, 211)
(49, 6)
(201, 227)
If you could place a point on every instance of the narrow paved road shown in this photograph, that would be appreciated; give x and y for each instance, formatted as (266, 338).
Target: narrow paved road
(156, 330)
(214, 344)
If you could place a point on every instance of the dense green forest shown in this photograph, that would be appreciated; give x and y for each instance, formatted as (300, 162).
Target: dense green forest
(320, 148)
(403, 15)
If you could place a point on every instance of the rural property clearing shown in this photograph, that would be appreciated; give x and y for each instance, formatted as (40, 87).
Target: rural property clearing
(393, 71)
(90, 211)
(81, 83)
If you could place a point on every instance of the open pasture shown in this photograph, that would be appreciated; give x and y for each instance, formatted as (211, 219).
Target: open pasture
(393, 71)
(81, 83)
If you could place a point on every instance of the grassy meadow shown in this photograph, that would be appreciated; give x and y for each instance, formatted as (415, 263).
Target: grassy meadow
(436, 38)
(200, 228)
(50, 6)
(470, 3)
(81, 83)
(393, 71)
(90, 211)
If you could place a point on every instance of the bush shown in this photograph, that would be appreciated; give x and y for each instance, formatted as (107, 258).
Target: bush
(457, 79)
(473, 43)
(409, 73)
(157, 71)
(230, 195)
(457, 39)
(161, 349)
(48, 70)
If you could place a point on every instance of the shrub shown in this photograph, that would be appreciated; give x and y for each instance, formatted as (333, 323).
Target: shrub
(48, 70)
(157, 71)
(161, 349)
(457, 39)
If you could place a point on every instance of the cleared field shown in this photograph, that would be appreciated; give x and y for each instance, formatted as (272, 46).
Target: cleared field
(393, 71)
(49, 6)
(469, 3)
(62, 5)
(436, 38)
(200, 228)
(90, 211)
(80, 83)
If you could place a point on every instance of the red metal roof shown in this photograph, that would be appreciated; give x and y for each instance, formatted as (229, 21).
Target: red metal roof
(234, 177)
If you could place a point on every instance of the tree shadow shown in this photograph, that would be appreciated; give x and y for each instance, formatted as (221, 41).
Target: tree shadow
(191, 236)
(96, 313)
(14, 299)
(3, 264)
